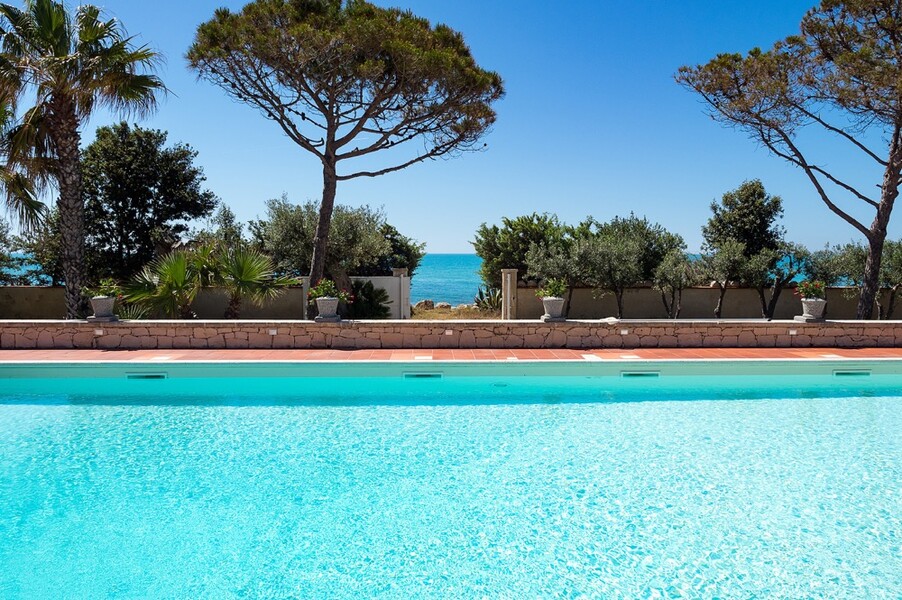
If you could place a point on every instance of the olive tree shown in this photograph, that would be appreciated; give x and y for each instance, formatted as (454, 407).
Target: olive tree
(842, 75)
(350, 80)
(625, 252)
(364, 242)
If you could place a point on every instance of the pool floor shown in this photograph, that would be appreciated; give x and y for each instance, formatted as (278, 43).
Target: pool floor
(493, 487)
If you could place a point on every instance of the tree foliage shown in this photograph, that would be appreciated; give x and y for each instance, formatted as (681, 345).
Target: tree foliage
(506, 247)
(68, 64)
(350, 80)
(841, 75)
(363, 242)
(675, 273)
(608, 256)
(42, 245)
(12, 264)
(723, 265)
(748, 215)
(139, 197)
(625, 252)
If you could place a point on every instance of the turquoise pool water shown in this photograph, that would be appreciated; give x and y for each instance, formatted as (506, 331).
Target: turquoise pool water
(492, 486)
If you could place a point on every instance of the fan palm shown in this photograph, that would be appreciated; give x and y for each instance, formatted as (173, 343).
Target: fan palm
(247, 274)
(168, 285)
(21, 201)
(69, 64)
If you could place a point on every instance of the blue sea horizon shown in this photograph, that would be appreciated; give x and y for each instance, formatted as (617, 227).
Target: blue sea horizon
(452, 278)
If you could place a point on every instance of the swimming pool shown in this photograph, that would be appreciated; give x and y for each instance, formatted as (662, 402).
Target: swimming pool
(614, 480)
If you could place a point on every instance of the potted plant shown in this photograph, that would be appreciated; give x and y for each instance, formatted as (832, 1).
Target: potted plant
(327, 296)
(103, 299)
(552, 295)
(813, 295)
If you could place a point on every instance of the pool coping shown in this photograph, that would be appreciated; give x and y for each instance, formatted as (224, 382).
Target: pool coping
(444, 355)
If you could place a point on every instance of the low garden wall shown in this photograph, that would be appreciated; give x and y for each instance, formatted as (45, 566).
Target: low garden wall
(447, 334)
(34, 302)
(697, 303)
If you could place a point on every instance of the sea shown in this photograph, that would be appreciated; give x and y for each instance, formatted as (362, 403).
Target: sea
(452, 278)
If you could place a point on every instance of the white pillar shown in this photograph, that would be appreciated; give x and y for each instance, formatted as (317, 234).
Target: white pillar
(403, 292)
(508, 294)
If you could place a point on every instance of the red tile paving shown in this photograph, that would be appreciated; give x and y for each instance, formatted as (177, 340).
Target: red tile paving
(411, 355)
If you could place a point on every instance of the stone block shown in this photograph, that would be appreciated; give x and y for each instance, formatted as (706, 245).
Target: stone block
(668, 341)
(747, 339)
(468, 339)
(130, 342)
(45, 339)
(648, 341)
(712, 341)
(236, 343)
(23, 342)
(612, 341)
(766, 341)
(411, 340)
(259, 340)
(181, 341)
(801, 341)
(109, 341)
(83, 339)
(690, 340)
(282, 341)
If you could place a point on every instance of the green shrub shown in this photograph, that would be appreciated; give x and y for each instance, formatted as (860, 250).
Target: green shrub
(369, 302)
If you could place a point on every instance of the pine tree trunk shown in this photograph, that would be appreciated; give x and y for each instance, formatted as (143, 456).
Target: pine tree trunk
(321, 238)
(64, 127)
(871, 281)
(877, 233)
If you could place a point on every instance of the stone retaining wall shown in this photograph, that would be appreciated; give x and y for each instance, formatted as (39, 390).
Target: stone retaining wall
(447, 334)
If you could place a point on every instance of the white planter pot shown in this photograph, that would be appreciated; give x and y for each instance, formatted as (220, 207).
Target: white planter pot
(327, 310)
(554, 308)
(103, 306)
(813, 308)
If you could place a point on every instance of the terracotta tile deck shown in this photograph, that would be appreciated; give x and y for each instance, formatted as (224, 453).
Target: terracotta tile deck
(448, 355)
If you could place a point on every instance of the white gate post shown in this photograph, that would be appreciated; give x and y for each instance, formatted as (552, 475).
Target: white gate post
(403, 291)
(508, 294)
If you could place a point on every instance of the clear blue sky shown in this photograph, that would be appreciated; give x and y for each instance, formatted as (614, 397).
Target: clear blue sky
(592, 124)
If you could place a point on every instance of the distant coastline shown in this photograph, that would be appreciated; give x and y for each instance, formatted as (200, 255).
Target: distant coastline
(452, 278)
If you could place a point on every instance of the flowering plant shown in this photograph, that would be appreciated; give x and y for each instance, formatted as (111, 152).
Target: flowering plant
(105, 287)
(555, 288)
(811, 289)
(326, 288)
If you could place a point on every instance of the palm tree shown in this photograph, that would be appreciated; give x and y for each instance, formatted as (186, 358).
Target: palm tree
(247, 274)
(69, 64)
